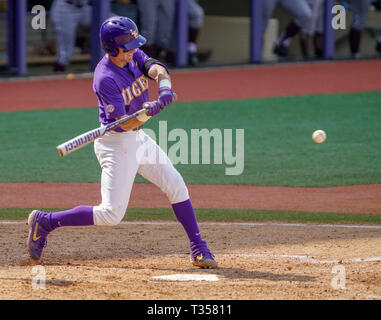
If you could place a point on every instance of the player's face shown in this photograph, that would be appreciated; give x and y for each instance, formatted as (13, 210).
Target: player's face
(126, 55)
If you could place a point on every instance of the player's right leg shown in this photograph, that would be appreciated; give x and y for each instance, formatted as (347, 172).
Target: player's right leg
(119, 168)
(42, 223)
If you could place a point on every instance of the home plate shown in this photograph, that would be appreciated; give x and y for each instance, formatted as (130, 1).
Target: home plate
(187, 277)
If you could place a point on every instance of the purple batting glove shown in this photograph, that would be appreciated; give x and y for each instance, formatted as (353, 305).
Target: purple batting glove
(165, 96)
(153, 108)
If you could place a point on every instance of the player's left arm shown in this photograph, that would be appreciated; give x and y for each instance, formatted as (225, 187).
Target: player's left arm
(160, 74)
(157, 71)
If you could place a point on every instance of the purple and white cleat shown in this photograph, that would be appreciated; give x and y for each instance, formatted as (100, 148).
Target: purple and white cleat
(39, 228)
(202, 257)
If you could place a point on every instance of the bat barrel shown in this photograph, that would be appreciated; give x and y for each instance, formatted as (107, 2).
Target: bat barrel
(79, 142)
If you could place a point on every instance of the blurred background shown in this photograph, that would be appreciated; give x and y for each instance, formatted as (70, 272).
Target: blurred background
(185, 33)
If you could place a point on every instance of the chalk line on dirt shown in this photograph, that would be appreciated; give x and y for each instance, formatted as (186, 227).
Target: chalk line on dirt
(253, 224)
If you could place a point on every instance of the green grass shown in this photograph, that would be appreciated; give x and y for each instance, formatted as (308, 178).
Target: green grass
(137, 214)
(279, 150)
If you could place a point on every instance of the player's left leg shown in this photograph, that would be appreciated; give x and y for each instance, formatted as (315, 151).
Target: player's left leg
(118, 173)
(158, 169)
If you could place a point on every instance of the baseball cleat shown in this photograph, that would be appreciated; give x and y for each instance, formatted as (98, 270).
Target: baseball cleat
(280, 50)
(39, 228)
(202, 257)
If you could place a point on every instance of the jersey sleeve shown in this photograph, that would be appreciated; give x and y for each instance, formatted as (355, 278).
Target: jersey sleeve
(140, 57)
(145, 62)
(110, 98)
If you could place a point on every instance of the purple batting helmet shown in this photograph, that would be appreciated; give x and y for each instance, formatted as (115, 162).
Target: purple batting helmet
(120, 32)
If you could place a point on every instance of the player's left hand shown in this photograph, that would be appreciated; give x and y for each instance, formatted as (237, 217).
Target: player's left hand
(165, 96)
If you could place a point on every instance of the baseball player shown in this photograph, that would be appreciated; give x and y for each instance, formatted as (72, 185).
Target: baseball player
(360, 10)
(67, 15)
(157, 20)
(312, 27)
(196, 16)
(299, 9)
(121, 86)
(378, 44)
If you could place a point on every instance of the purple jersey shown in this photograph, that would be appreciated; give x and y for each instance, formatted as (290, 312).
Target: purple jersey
(120, 91)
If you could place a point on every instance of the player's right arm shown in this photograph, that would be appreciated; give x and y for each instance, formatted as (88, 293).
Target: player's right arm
(111, 102)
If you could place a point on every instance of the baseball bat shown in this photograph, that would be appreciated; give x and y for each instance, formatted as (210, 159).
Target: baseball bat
(86, 138)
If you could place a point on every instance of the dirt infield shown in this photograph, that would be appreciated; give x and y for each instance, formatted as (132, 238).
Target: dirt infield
(257, 261)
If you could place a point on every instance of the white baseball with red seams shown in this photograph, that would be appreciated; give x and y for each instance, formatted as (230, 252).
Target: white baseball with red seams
(319, 136)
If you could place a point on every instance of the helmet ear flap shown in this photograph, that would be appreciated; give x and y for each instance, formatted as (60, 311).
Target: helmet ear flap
(111, 51)
(114, 52)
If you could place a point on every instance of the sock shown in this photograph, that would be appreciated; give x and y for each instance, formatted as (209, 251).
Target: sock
(354, 40)
(192, 47)
(318, 44)
(185, 215)
(193, 34)
(78, 216)
(304, 45)
(291, 30)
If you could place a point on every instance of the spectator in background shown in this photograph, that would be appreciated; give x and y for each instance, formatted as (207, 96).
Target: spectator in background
(360, 9)
(377, 6)
(157, 21)
(299, 9)
(378, 44)
(196, 21)
(125, 8)
(66, 16)
(313, 28)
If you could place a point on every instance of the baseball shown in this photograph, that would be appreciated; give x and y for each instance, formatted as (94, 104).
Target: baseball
(319, 136)
(70, 76)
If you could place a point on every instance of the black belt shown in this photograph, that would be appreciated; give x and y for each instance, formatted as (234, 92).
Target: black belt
(79, 6)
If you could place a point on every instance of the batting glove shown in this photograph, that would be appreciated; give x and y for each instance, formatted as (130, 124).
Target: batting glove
(165, 96)
(153, 108)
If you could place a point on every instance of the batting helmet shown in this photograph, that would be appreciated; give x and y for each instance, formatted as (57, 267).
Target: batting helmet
(120, 32)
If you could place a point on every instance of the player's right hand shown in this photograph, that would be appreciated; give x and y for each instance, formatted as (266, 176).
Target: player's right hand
(166, 96)
(153, 108)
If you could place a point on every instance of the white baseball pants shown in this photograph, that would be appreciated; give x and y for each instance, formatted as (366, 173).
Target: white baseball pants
(123, 154)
